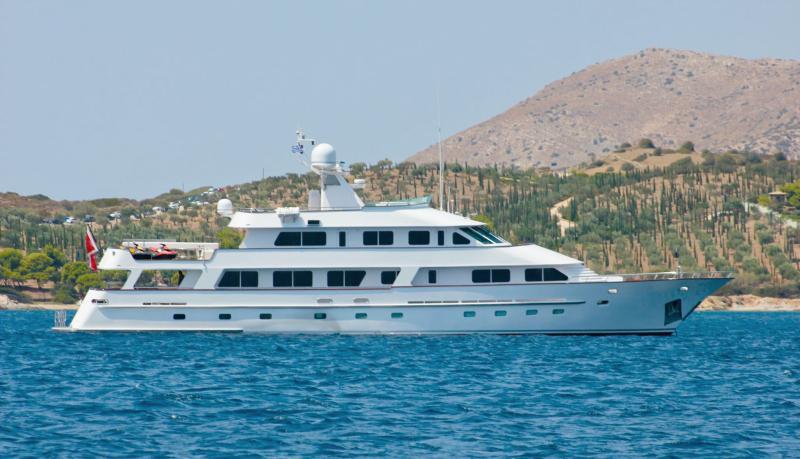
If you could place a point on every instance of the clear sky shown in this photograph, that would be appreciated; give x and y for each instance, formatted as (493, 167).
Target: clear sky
(105, 98)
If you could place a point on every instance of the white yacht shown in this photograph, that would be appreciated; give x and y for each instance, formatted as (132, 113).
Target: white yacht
(343, 266)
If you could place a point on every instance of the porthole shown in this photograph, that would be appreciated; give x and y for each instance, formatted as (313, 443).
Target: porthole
(469, 313)
(397, 315)
(224, 317)
(179, 316)
(361, 315)
(558, 311)
(265, 316)
(531, 312)
(499, 313)
(320, 315)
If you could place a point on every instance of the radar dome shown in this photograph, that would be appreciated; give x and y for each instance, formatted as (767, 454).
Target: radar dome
(225, 207)
(323, 156)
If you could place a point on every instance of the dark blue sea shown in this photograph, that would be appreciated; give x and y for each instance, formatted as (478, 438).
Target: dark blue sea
(727, 385)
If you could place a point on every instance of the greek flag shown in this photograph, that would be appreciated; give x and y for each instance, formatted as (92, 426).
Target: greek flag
(297, 148)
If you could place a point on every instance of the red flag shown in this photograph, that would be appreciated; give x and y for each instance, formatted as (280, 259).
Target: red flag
(91, 249)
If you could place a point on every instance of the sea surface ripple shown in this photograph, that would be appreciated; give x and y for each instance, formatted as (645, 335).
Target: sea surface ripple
(727, 385)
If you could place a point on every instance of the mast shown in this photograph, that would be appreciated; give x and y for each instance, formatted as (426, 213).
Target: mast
(441, 159)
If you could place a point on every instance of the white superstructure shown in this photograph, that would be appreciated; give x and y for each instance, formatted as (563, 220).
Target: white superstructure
(341, 266)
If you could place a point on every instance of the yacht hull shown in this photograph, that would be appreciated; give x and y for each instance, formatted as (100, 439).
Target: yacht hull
(593, 308)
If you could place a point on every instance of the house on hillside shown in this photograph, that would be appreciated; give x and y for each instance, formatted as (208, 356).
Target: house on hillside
(778, 197)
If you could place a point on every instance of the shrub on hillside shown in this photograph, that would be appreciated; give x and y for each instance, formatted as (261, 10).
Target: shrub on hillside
(646, 143)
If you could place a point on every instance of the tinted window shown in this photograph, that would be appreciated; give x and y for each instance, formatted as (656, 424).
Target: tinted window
(476, 235)
(397, 315)
(288, 239)
(229, 279)
(501, 275)
(469, 313)
(282, 279)
(499, 313)
(354, 278)
(179, 316)
(386, 238)
(361, 315)
(335, 278)
(458, 239)
(533, 275)
(531, 312)
(313, 222)
(249, 279)
(432, 276)
(558, 311)
(552, 274)
(480, 275)
(440, 237)
(320, 315)
(303, 279)
(314, 238)
(370, 238)
(388, 277)
(265, 316)
(419, 237)
(485, 231)
(342, 239)
(224, 317)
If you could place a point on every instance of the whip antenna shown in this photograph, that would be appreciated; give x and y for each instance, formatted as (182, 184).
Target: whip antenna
(441, 158)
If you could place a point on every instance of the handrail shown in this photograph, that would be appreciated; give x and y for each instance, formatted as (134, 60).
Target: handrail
(669, 275)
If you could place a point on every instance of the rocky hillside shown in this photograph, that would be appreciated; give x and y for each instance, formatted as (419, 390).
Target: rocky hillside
(669, 96)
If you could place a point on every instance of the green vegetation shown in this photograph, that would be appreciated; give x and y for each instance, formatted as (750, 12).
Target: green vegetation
(632, 221)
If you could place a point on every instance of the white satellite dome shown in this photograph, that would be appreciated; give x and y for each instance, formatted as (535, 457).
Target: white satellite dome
(323, 156)
(225, 207)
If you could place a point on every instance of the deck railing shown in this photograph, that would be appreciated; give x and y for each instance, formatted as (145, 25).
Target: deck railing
(676, 275)
(672, 275)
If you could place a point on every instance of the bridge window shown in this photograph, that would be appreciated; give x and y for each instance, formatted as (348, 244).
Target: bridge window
(419, 237)
(378, 238)
(458, 239)
(476, 235)
(292, 279)
(342, 239)
(488, 234)
(237, 279)
(440, 237)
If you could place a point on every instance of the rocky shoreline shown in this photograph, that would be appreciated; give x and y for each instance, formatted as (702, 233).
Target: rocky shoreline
(743, 303)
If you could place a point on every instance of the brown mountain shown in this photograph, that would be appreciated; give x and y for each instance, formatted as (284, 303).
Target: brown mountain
(669, 96)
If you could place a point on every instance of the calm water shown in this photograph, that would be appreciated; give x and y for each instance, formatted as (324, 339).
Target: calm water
(728, 384)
